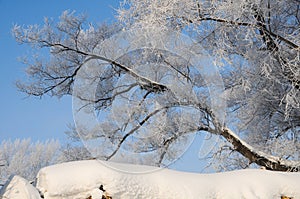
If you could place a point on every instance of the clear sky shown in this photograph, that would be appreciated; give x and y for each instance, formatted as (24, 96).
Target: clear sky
(46, 118)
(22, 117)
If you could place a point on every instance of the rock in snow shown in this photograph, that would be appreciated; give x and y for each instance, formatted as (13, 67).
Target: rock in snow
(18, 188)
(79, 180)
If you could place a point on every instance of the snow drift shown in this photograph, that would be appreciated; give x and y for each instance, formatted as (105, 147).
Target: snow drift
(82, 179)
(18, 188)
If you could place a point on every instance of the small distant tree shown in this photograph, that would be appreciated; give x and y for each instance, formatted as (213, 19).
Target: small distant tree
(74, 153)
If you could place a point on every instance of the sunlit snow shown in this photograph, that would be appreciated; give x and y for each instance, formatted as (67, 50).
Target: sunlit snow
(78, 179)
(81, 179)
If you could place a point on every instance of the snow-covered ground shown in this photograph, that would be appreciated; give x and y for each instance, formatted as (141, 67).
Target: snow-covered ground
(18, 188)
(79, 180)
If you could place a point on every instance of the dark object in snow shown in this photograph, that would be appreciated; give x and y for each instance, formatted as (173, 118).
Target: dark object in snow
(285, 197)
(106, 197)
(105, 194)
(101, 188)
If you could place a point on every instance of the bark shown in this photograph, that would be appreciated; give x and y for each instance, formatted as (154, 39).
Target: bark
(259, 157)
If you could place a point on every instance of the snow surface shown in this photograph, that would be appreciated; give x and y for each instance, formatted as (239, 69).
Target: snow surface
(81, 179)
(18, 188)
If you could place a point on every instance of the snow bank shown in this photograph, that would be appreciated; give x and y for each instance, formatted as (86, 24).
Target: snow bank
(80, 179)
(18, 188)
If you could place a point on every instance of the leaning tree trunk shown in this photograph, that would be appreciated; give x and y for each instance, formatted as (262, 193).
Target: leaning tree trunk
(259, 157)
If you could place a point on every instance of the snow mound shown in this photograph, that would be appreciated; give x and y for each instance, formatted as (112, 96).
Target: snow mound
(18, 188)
(82, 179)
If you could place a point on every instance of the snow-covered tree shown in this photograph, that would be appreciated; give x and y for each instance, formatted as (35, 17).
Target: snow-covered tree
(74, 153)
(150, 94)
(24, 158)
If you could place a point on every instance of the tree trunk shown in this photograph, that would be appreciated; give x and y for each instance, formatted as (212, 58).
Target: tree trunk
(259, 157)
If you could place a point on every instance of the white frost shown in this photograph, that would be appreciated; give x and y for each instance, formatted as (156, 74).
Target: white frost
(290, 163)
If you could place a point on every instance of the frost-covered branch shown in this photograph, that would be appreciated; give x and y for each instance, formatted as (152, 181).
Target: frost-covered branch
(133, 130)
(259, 157)
(258, 25)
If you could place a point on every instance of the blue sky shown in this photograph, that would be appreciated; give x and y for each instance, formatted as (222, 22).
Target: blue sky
(46, 118)
(20, 116)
